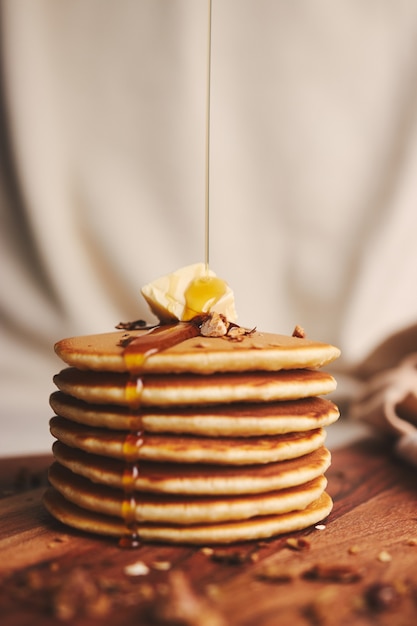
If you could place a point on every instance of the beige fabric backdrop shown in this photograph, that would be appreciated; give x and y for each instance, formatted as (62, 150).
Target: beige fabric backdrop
(313, 178)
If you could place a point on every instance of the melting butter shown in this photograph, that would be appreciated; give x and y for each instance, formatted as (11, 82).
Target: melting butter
(188, 292)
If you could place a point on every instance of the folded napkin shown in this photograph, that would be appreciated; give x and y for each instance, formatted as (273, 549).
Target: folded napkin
(388, 401)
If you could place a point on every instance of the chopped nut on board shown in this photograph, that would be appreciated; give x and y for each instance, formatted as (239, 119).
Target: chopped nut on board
(139, 568)
(298, 543)
(382, 596)
(333, 573)
(275, 573)
(233, 557)
(161, 566)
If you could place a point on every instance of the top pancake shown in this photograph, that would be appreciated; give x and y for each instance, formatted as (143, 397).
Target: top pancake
(199, 355)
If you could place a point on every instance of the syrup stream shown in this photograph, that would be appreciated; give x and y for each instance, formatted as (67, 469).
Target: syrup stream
(208, 115)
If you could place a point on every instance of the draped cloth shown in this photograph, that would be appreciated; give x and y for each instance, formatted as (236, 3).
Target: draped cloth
(387, 396)
(313, 174)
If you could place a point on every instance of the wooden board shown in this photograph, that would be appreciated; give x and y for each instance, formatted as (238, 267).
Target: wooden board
(361, 569)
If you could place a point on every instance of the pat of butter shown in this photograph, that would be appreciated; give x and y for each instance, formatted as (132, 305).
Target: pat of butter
(188, 292)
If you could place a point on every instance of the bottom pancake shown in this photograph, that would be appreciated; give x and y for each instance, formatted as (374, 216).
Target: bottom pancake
(197, 534)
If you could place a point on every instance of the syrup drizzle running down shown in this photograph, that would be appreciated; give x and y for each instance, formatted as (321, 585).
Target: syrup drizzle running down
(135, 354)
(133, 392)
(131, 451)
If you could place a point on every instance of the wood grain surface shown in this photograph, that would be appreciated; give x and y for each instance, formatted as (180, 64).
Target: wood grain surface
(361, 569)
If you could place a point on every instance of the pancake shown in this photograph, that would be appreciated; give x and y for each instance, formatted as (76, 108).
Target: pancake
(192, 389)
(201, 479)
(226, 532)
(186, 448)
(202, 355)
(169, 435)
(180, 509)
(243, 420)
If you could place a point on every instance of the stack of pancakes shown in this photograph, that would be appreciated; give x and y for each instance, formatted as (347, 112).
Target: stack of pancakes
(191, 440)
